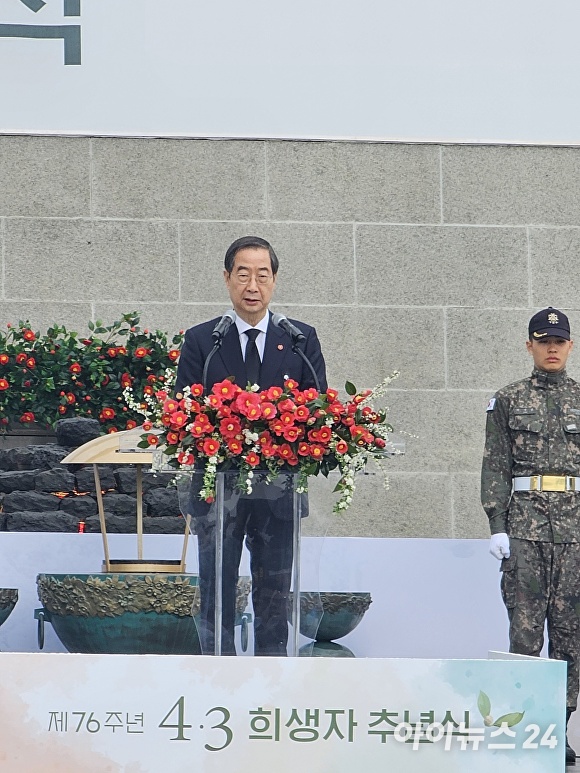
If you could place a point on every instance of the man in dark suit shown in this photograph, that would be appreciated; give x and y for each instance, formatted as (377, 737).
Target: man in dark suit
(264, 518)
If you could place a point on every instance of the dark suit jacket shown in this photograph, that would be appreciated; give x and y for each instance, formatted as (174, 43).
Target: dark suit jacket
(279, 361)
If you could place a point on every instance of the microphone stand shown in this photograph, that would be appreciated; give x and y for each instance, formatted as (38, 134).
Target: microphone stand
(216, 346)
(219, 532)
(297, 350)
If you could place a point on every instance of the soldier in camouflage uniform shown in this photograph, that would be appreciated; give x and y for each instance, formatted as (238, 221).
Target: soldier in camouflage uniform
(530, 490)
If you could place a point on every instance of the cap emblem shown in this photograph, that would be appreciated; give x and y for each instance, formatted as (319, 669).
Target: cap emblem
(539, 335)
(553, 319)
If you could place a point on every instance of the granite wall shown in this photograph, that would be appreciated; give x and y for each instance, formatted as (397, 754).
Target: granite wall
(426, 259)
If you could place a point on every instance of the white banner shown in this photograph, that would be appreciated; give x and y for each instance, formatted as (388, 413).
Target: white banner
(121, 713)
(455, 70)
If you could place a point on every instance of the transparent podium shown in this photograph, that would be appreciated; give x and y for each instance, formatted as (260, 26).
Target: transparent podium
(265, 522)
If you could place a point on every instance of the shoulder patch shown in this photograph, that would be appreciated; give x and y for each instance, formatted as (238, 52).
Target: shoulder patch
(491, 404)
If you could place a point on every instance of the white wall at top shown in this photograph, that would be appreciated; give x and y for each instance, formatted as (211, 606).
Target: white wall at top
(451, 70)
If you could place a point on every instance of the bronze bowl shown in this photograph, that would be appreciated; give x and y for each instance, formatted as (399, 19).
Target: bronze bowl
(327, 616)
(8, 599)
(125, 613)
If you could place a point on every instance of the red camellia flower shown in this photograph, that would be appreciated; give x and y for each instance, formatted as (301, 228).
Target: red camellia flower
(126, 380)
(248, 404)
(290, 383)
(173, 438)
(316, 451)
(215, 401)
(284, 452)
(196, 390)
(21, 357)
(335, 409)
(112, 351)
(200, 428)
(4, 359)
(286, 406)
(303, 449)
(70, 398)
(61, 409)
(3, 384)
(148, 390)
(107, 414)
(252, 459)
(210, 446)
(141, 352)
(27, 417)
(131, 424)
(230, 427)
(277, 427)
(380, 442)
(28, 335)
(302, 413)
(265, 438)
(112, 430)
(235, 446)
(4, 420)
(293, 433)
(332, 394)
(75, 368)
(179, 419)
(147, 426)
(341, 447)
(310, 394)
(226, 389)
(151, 379)
(170, 405)
(274, 392)
(185, 457)
(269, 450)
(268, 410)
(153, 440)
(254, 412)
(173, 354)
(362, 396)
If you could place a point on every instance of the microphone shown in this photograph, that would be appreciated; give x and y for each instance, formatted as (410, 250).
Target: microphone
(223, 325)
(283, 322)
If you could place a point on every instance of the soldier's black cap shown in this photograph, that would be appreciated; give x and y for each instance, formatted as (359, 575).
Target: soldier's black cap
(549, 322)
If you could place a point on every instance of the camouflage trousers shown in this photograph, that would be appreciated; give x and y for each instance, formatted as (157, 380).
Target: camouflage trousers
(541, 584)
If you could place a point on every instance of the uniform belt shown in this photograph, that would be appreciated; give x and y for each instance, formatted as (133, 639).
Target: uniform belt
(547, 483)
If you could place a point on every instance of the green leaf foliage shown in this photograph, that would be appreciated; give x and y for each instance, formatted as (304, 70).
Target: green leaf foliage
(509, 719)
(484, 704)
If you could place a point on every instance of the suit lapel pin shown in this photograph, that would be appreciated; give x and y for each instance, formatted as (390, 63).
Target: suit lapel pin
(280, 346)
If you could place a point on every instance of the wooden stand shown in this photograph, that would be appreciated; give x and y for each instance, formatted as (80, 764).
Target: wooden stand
(121, 448)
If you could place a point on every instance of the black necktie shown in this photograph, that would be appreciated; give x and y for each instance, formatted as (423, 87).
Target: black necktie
(252, 357)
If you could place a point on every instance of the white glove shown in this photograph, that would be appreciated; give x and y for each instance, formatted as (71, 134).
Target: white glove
(499, 546)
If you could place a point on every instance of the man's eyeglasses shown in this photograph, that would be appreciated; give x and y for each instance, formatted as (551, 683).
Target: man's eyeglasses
(244, 278)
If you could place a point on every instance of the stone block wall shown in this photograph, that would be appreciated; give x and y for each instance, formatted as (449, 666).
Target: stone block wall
(38, 493)
(427, 259)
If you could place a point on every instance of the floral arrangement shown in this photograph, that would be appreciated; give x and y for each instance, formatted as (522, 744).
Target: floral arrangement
(60, 374)
(281, 428)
